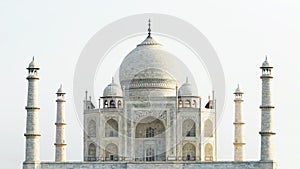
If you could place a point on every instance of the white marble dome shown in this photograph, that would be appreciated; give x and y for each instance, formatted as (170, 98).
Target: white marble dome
(187, 89)
(112, 89)
(147, 55)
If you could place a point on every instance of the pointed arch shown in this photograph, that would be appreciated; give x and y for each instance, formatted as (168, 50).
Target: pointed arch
(187, 103)
(111, 152)
(188, 128)
(112, 104)
(111, 128)
(180, 103)
(150, 140)
(119, 104)
(92, 128)
(150, 127)
(208, 128)
(195, 104)
(189, 152)
(208, 152)
(105, 104)
(92, 152)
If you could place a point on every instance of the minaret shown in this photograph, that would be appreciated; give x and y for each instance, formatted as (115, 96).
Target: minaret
(32, 156)
(266, 107)
(60, 144)
(238, 126)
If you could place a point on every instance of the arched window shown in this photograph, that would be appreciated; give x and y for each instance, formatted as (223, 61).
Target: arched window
(105, 104)
(208, 128)
(92, 128)
(188, 128)
(119, 104)
(112, 104)
(189, 152)
(187, 103)
(149, 132)
(180, 103)
(92, 152)
(194, 103)
(111, 152)
(208, 152)
(111, 128)
(150, 154)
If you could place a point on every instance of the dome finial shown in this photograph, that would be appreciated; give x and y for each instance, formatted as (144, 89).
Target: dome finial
(238, 90)
(112, 80)
(149, 27)
(60, 90)
(266, 63)
(187, 79)
(32, 64)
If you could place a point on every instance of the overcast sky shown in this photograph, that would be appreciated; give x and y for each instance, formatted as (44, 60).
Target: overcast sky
(242, 33)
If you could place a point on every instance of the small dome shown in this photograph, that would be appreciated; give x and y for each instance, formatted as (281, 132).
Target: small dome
(60, 90)
(187, 89)
(238, 90)
(112, 89)
(266, 63)
(32, 64)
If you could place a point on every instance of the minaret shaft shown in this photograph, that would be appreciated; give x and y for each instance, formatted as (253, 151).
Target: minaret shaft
(32, 154)
(238, 127)
(266, 114)
(60, 142)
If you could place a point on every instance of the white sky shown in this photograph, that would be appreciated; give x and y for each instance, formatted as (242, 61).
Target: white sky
(241, 32)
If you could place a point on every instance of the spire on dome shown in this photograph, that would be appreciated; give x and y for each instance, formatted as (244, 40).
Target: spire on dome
(112, 80)
(149, 28)
(60, 90)
(149, 40)
(266, 63)
(32, 64)
(238, 91)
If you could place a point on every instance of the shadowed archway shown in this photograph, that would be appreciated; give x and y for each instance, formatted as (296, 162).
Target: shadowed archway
(150, 140)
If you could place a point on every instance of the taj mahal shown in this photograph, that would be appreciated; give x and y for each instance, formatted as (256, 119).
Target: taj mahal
(149, 119)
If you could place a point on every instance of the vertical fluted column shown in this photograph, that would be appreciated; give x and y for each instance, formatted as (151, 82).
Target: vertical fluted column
(32, 134)
(266, 114)
(238, 127)
(60, 144)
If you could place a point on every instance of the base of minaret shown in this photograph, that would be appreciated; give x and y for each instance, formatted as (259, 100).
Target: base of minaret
(267, 146)
(60, 155)
(239, 151)
(31, 165)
